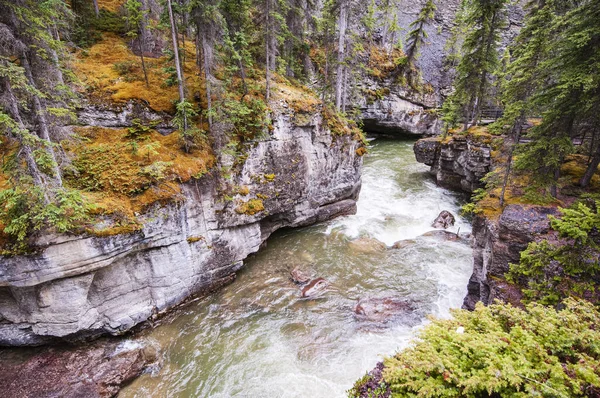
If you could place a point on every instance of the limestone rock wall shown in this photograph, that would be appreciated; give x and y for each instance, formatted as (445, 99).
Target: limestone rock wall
(458, 163)
(406, 111)
(498, 243)
(82, 286)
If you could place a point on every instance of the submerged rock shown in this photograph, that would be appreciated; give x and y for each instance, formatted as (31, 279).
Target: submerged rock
(401, 244)
(300, 275)
(367, 246)
(314, 288)
(95, 371)
(383, 310)
(445, 220)
(442, 235)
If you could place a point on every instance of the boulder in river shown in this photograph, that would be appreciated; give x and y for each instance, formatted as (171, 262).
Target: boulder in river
(314, 288)
(445, 220)
(383, 310)
(367, 246)
(300, 275)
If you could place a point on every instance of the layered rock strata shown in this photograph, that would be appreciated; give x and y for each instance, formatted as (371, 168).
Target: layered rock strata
(498, 243)
(83, 286)
(458, 163)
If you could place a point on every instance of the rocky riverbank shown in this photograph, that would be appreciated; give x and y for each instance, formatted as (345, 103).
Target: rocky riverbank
(459, 163)
(97, 370)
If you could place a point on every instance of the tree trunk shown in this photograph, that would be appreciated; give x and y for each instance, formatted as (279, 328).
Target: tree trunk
(96, 9)
(483, 82)
(343, 25)
(517, 138)
(176, 53)
(268, 53)
(40, 114)
(142, 45)
(591, 169)
(32, 167)
(207, 76)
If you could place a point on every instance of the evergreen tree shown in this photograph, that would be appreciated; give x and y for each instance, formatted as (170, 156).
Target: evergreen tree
(524, 76)
(134, 19)
(570, 98)
(415, 40)
(483, 19)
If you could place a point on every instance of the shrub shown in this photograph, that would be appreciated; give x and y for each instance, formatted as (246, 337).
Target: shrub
(503, 351)
(549, 272)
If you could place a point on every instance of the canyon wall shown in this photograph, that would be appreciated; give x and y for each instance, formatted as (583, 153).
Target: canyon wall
(83, 286)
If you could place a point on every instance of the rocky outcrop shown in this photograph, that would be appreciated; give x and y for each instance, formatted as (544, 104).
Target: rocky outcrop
(99, 115)
(458, 163)
(444, 221)
(498, 243)
(99, 370)
(84, 286)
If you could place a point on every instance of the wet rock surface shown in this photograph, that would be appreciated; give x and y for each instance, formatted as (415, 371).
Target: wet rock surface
(300, 275)
(367, 246)
(444, 221)
(447, 236)
(497, 243)
(380, 311)
(314, 288)
(99, 370)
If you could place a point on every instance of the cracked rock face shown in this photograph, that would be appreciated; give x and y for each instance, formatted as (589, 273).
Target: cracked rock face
(459, 164)
(498, 243)
(84, 286)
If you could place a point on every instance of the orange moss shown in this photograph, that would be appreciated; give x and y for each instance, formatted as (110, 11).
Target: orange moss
(299, 98)
(382, 63)
(97, 67)
(123, 183)
(111, 5)
(251, 207)
(361, 151)
(575, 167)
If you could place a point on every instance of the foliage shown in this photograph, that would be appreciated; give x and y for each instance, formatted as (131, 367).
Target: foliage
(502, 351)
(569, 97)
(191, 136)
(415, 40)
(24, 210)
(482, 20)
(549, 272)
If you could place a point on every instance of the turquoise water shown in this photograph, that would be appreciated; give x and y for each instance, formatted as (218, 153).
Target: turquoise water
(258, 338)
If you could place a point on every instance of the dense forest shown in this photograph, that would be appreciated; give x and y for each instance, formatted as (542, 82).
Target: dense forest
(206, 80)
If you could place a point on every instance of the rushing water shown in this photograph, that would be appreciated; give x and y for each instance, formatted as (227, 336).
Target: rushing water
(258, 338)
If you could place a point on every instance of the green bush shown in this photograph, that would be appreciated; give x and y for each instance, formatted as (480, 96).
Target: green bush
(550, 271)
(503, 351)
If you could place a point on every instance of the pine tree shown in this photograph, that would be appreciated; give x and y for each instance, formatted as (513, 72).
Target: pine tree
(570, 98)
(483, 19)
(524, 75)
(415, 40)
(341, 53)
(136, 14)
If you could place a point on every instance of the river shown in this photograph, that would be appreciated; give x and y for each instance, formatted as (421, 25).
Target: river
(258, 338)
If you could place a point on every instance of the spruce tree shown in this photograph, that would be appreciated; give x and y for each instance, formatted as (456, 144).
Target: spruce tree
(483, 19)
(415, 40)
(524, 76)
(570, 98)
